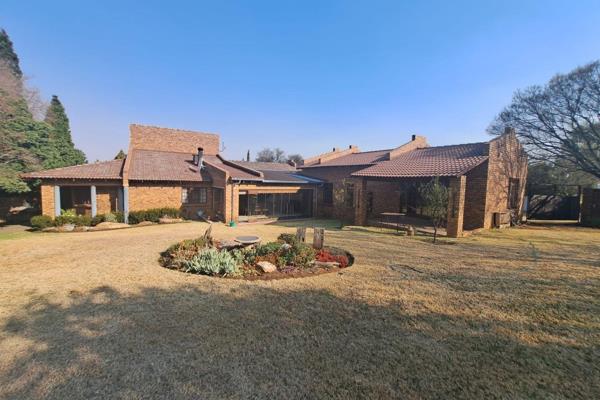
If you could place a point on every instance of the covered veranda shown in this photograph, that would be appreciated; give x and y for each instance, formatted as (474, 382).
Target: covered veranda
(395, 203)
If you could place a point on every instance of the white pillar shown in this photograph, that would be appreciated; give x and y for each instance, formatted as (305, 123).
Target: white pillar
(56, 201)
(93, 198)
(126, 203)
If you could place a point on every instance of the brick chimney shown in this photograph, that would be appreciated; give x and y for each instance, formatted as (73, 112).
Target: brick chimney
(200, 157)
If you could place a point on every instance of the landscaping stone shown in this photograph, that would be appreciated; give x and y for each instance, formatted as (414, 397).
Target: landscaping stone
(326, 264)
(266, 267)
(66, 228)
(81, 229)
(50, 229)
(167, 220)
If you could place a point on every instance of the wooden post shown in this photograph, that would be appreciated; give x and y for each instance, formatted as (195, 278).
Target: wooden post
(301, 234)
(318, 238)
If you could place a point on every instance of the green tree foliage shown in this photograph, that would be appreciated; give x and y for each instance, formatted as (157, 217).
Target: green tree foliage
(27, 144)
(61, 151)
(8, 55)
(434, 197)
(121, 155)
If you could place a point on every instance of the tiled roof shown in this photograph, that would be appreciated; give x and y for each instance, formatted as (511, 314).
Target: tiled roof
(362, 158)
(235, 173)
(150, 165)
(266, 166)
(430, 161)
(99, 170)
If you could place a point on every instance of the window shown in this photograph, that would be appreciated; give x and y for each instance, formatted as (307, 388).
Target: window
(349, 195)
(328, 193)
(513, 194)
(194, 195)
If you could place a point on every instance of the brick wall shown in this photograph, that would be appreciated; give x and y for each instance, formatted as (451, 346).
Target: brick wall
(475, 197)
(506, 160)
(106, 199)
(339, 177)
(144, 196)
(47, 201)
(590, 207)
(176, 140)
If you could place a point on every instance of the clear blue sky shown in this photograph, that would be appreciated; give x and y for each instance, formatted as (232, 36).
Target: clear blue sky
(304, 76)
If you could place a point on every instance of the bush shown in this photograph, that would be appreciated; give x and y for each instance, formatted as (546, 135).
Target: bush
(288, 238)
(99, 218)
(212, 262)
(176, 255)
(304, 255)
(153, 214)
(41, 221)
(77, 220)
(325, 256)
(267, 248)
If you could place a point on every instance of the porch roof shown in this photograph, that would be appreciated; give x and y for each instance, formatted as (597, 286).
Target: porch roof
(99, 170)
(452, 160)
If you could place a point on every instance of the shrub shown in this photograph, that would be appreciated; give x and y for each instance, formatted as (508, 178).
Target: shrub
(325, 256)
(304, 255)
(176, 255)
(41, 221)
(97, 219)
(212, 262)
(153, 214)
(288, 238)
(77, 220)
(267, 248)
(68, 213)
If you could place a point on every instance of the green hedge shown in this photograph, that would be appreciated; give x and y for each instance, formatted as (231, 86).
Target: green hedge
(153, 214)
(41, 222)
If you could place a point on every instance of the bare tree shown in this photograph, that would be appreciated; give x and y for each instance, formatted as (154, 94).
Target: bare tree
(271, 155)
(296, 158)
(559, 123)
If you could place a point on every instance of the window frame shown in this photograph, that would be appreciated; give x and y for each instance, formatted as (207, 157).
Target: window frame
(194, 195)
(328, 193)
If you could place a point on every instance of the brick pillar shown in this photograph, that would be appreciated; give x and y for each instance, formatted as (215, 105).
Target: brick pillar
(232, 202)
(47, 200)
(456, 206)
(360, 201)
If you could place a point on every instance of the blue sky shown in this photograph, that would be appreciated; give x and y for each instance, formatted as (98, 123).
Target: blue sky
(304, 76)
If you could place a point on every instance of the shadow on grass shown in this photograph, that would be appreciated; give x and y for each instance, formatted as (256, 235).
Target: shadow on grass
(256, 342)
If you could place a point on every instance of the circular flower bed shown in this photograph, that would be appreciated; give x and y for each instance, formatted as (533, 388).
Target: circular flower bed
(285, 258)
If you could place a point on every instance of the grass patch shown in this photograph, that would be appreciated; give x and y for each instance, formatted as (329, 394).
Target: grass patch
(513, 313)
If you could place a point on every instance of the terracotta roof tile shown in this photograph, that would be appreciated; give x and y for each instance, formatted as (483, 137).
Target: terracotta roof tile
(150, 165)
(99, 170)
(361, 158)
(430, 161)
(235, 173)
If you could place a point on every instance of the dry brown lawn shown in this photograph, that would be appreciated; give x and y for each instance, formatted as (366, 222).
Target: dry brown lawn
(505, 314)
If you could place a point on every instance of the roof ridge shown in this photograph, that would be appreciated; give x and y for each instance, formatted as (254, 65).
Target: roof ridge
(451, 145)
(174, 129)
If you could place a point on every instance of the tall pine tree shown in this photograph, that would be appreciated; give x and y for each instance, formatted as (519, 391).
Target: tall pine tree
(62, 152)
(8, 55)
(27, 144)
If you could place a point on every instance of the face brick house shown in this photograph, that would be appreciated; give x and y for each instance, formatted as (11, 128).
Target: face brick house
(183, 169)
(486, 181)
